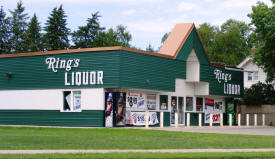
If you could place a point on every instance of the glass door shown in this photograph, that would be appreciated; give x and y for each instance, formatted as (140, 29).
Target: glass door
(181, 110)
(173, 109)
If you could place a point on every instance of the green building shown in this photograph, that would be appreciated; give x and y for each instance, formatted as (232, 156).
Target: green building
(114, 86)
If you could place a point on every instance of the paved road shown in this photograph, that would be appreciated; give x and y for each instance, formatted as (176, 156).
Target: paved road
(252, 130)
(134, 151)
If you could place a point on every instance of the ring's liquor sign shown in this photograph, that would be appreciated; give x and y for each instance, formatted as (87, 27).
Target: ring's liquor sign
(74, 78)
(229, 88)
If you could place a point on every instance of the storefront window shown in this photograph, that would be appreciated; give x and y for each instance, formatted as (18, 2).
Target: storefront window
(71, 101)
(163, 102)
(199, 104)
(151, 101)
(189, 103)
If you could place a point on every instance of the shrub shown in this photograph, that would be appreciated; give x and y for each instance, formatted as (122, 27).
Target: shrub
(259, 94)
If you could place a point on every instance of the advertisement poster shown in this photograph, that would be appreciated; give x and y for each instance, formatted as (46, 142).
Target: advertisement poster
(230, 110)
(151, 101)
(77, 101)
(109, 110)
(210, 108)
(135, 101)
(209, 104)
(120, 109)
(215, 117)
(138, 118)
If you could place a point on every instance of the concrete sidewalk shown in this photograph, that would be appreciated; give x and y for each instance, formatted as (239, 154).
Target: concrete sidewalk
(133, 151)
(252, 130)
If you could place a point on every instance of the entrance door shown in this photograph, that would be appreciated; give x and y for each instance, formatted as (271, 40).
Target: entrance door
(173, 109)
(177, 105)
(181, 110)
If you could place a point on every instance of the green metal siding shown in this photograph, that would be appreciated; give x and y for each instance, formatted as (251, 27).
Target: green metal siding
(193, 42)
(150, 72)
(216, 88)
(86, 118)
(122, 69)
(31, 72)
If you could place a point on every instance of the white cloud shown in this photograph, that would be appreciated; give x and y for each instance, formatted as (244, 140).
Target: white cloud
(129, 12)
(185, 6)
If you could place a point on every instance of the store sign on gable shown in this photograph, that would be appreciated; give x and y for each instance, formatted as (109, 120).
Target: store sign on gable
(74, 78)
(234, 89)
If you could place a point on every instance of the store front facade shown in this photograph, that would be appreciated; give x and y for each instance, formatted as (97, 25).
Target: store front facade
(115, 86)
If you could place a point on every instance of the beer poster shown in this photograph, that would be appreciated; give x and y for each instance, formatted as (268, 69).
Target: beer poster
(135, 101)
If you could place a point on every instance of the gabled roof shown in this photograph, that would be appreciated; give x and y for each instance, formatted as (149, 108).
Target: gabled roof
(244, 62)
(181, 41)
(176, 39)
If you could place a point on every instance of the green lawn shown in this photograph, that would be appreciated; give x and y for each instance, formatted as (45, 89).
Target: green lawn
(102, 138)
(142, 155)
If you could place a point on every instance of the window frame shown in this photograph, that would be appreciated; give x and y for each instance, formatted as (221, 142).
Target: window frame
(249, 75)
(71, 100)
(190, 106)
(254, 76)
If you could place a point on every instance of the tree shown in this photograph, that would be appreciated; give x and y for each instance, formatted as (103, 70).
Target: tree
(18, 28)
(85, 35)
(150, 48)
(33, 41)
(229, 44)
(118, 37)
(164, 37)
(208, 35)
(263, 19)
(56, 36)
(123, 36)
(4, 32)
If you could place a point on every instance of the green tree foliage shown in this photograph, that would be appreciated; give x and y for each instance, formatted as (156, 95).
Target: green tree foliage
(228, 44)
(56, 36)
(263, 19)
(118, 37)
(33, 41)
(4, 32)
(259, 94)
(93, 35)
(208, 35)
(18, 28)
(85, 36)
(164, 37)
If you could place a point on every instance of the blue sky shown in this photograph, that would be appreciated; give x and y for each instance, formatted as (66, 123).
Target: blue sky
(147, 20)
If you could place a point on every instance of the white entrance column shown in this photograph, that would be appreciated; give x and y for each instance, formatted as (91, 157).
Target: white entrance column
(239, 120)
(230, 120)
(247, 120)
(188, 120)
(221, 119)
(161, 119)
(199, 119)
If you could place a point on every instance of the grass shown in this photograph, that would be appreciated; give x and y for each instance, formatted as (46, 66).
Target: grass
(141, 155)
(20, 138)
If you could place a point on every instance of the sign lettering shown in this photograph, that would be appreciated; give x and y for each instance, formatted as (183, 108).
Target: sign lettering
(74, 78)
